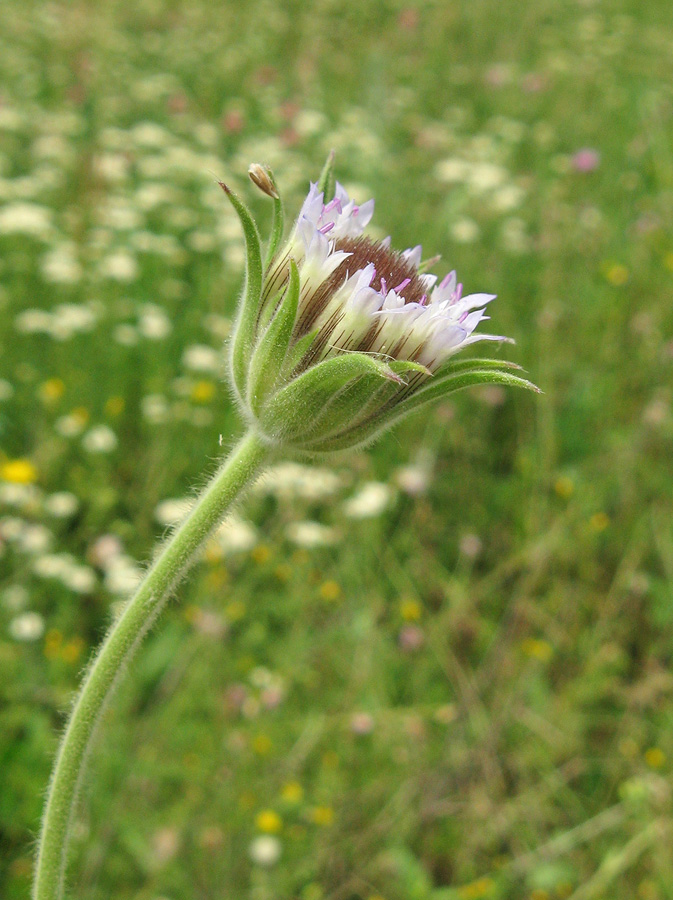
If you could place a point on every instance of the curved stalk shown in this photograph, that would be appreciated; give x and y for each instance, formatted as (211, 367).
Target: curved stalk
(236, 473)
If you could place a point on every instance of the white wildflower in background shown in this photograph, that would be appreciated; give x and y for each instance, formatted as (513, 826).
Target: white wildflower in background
(12, 527)
(119, 266)
(201, 358)
(28, 219)
(6, 389)
(79, 578)
(265, 850)
(21, 496)
(15, 597)
(35, 538)
(105, 549)
(60, 265)
(122, 575)
(29, 626)
(125, 334)
(290, 480)
(310, 534)
(70, 425)
(235, 535)
(112, 167)
(464, 230)
(173, 510)
(153, 322)
(154, 408)
(53, 565)
(413, 479)
(100, 439)
(69, 319)
(370, 501)
(61, 505)
(33, 321)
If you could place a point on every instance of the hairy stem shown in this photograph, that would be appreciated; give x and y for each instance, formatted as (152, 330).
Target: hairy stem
(236, 473)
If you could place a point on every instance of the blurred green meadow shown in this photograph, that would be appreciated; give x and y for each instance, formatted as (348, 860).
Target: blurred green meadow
(439, 669)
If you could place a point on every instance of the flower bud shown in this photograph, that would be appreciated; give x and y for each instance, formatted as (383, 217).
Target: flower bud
(339, 336)
(262, 177)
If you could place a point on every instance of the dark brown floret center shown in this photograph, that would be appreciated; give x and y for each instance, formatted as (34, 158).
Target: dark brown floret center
(390, 266)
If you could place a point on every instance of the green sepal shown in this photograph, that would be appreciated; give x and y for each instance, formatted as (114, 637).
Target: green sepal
(290, 415)
(367, 431)
(277, 225)
(244, 332)
(326, 181)
(298, 351)
(354, 404)
(272, 346)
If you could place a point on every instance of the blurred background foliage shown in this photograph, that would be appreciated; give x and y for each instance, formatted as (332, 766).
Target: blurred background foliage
(439, 669)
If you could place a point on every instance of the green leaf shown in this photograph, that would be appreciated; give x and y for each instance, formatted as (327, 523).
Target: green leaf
(460, 365)
(326, 181)
(367, 431)
(292, 412)
(244, 331)
(456, 381)
(272, 346)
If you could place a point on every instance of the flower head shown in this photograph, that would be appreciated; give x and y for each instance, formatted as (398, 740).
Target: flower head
(338, 335)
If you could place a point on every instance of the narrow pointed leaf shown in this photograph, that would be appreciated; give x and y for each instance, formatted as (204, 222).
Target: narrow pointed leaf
(441, 386)
(461, 365)
(272, 346)
(247, 316)
(369, 430)
(326, 182)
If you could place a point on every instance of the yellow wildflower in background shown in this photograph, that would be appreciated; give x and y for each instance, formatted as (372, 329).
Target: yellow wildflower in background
(261, 554)
(537, 649)
(410, 610)
(564, 487)
(114, 406)
(203, 392)
(268, 821)
(655, 757)
(52, 390)
(330, 590)
(292, 792)
(322, 815)
(599, 521)
(18, 471)
(475, 890)
(262, 744)
(616, 273)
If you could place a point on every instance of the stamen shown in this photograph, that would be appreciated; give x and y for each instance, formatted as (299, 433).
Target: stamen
(446, 280)
(324, 229)
(423, 300)
(335, 203)
(384, 286)
(401, 286)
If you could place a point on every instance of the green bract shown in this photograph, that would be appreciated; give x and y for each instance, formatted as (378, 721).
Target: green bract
(337, 336)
